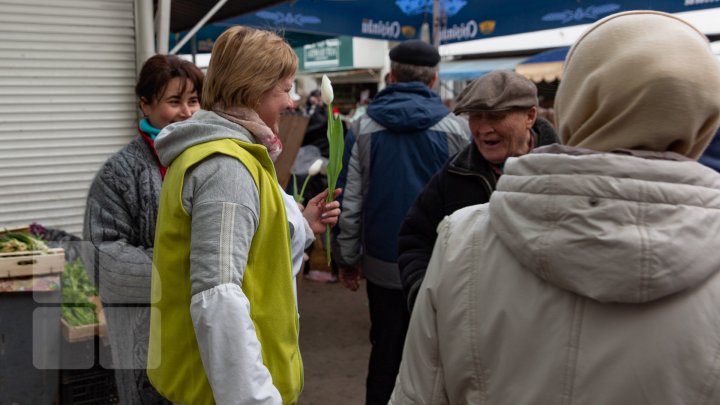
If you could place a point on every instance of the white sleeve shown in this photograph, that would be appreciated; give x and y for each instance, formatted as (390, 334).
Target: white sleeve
(229, 347)
(301, 235)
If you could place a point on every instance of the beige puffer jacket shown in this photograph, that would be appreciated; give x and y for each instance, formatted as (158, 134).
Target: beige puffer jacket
(587, 280)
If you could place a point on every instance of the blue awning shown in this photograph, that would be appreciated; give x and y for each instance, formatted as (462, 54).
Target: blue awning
(553, 55)
(400, 20)
(472, 69)
(546, 66)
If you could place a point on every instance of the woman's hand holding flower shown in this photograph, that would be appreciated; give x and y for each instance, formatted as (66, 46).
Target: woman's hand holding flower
(320, 213)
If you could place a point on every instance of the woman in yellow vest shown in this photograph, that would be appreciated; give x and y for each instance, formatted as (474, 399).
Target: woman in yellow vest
(224, 322)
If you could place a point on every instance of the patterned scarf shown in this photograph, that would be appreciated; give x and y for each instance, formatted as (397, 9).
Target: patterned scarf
(249, 119)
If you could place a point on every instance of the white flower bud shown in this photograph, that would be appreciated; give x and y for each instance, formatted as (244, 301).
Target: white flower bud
(315, 167)
(323, 169)
(326, 90)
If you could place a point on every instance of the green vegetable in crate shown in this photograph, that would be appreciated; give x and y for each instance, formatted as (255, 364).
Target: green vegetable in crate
(76, 290)
(79, 315)
(20, 242)
(76, 278)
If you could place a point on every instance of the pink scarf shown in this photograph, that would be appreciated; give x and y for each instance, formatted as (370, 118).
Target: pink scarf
(249, 119)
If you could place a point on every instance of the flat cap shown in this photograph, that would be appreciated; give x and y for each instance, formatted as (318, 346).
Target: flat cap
(496, 91)
(415, 52)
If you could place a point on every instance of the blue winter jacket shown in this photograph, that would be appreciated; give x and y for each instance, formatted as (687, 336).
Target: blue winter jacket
(390, 154)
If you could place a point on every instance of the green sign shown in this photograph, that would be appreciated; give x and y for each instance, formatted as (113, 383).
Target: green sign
(329, 54)
(323, 54)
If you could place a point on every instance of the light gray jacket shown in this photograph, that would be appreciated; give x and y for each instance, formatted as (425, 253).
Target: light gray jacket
(223, 202)
(586, 280)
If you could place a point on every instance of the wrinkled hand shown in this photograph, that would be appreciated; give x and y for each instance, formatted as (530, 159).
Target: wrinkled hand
(350, 277)
(318, 213)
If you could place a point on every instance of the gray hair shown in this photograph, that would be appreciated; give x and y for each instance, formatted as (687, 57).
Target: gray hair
(412, 73)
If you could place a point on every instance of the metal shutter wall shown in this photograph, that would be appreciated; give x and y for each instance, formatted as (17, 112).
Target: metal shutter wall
(67, 76)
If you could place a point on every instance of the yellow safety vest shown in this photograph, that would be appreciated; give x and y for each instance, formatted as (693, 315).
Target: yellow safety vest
(174, 365)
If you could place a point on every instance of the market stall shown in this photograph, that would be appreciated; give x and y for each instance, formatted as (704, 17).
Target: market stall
(51, 322)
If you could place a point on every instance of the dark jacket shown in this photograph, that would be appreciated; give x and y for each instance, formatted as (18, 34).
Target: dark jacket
(711, 156)
(390, 154)
(465, 179)
(316, 131)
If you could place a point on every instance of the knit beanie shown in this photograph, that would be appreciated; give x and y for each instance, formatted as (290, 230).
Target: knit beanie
(640, 80)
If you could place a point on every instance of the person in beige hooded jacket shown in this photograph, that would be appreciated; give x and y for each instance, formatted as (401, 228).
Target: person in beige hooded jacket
(593, 274)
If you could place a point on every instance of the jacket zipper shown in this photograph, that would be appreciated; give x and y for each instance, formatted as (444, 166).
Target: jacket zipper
(484, 179)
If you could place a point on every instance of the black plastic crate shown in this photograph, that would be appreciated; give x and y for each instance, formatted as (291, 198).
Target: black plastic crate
(89, 387)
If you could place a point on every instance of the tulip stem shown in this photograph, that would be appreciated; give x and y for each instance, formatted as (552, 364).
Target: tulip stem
(302, 190)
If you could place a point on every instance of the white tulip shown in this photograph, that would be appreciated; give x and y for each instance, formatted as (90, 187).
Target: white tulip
(323, 169)
(315, 167)
(326, 90)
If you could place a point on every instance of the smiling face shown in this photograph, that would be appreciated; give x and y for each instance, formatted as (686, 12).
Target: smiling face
(173, 105)
(499, 135)
(274, 102)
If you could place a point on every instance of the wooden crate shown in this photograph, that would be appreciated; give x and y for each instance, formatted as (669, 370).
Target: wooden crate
(81, 333)
(32, 263)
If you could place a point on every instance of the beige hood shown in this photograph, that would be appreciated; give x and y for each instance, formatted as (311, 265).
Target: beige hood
(610, 227)
(640, 80)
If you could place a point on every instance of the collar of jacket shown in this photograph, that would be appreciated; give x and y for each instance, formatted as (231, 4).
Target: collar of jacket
(470, 161)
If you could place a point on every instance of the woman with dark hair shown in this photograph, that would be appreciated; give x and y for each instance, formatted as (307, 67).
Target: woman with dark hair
(120, 220)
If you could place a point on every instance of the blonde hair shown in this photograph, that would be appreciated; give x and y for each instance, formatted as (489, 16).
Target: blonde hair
(245, 64)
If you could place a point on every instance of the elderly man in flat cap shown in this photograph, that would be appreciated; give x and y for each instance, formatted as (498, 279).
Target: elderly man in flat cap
(391, 153)
(502, 111)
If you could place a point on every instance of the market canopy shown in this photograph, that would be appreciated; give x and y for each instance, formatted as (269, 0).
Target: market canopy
(402, 19)
(472, 69)
(546, 66)
(205, 38)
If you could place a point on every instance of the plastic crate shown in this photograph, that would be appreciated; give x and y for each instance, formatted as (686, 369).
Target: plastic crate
(89, 387)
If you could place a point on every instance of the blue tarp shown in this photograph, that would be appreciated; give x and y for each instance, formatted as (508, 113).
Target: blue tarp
(207, 35)
(466, 19)
(399, 20)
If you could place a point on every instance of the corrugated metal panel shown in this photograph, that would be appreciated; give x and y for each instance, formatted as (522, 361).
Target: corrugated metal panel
(67, 72)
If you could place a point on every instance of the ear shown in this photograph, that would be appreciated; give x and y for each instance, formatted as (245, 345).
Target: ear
(144, 105)
(432, 81)
(531, 117)
(391, 78)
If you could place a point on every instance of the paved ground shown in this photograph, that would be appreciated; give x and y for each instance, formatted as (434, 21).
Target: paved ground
(334, 328)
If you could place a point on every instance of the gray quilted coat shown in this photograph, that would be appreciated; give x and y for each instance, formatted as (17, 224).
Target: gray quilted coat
(120, 224)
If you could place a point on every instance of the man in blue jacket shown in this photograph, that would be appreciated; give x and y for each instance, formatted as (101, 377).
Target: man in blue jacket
(390, 154)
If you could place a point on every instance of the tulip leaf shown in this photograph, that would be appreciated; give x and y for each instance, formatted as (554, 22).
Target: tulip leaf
(336, 140)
